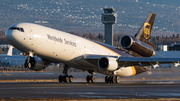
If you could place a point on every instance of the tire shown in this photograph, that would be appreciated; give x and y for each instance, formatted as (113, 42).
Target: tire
(70, 78)
(93, 79)
(113, 79)
(60, 78)
(88, 78)
(66, 79)
(107, 79)
(117, 79)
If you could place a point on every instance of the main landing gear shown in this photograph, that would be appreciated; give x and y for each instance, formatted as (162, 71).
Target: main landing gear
(90, 78)
(65, 78)
(112, 79)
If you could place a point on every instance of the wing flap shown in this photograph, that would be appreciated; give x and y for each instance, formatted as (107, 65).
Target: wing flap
(145, 61)
(93, 59)
(133, 61)
(89, 56)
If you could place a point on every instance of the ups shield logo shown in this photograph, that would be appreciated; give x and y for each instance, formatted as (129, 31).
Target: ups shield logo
(147, 30)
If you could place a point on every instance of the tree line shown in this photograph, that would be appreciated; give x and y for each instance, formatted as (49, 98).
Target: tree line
(157, 40)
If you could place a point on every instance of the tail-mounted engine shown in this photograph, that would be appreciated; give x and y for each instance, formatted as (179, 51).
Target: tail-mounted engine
(108, 63)
(131, 43)
(33, 63)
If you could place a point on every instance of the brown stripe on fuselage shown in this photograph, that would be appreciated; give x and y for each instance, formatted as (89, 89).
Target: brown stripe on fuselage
(111, 48)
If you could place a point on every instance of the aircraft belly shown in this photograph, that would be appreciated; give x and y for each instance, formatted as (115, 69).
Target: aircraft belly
(80, 63)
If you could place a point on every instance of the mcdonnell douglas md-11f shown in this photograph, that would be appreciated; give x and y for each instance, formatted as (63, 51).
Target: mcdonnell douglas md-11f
(54, 46)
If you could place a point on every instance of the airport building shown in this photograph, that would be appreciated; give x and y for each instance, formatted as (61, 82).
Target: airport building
(172, 47)
(162, 48)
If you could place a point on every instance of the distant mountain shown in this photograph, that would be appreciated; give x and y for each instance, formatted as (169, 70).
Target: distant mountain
(83, 16)
(167, 2)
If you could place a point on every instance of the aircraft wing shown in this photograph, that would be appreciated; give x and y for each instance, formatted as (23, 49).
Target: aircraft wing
(89, 56)
(134, 61)
(145, 61)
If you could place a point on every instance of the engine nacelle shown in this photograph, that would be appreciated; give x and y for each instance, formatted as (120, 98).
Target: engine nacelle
(131, 43)
(108, 63)
(33, 63)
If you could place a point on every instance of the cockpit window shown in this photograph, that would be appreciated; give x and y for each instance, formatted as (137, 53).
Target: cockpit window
(17, 28)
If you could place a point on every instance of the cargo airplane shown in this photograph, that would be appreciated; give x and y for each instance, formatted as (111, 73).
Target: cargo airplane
(54, 46)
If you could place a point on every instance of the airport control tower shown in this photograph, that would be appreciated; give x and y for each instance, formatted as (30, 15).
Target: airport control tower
(108, 18)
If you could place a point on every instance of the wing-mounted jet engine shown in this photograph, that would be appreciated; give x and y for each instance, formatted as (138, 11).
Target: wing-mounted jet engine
(34, 63)
(108, 63)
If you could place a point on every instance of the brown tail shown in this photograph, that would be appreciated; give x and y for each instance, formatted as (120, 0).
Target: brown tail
(145, 31)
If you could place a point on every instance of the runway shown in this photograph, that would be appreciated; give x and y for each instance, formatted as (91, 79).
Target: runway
(127, 88)
(85, 90)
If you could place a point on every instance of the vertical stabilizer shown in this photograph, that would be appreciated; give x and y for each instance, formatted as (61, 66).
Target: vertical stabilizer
(145, 30)
(10, 51)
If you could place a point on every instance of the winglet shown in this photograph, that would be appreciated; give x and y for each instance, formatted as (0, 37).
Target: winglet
(145, 31)
(10, 51)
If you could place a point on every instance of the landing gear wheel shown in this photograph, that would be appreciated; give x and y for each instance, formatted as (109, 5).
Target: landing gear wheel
(117, 79)
(107, 79)
(60, 78)
(66, 79)
(70, 78)
(112, 79)
(90, 78)
(30, 62)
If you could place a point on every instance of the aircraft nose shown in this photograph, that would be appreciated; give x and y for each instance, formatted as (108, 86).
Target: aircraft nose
(13, 35)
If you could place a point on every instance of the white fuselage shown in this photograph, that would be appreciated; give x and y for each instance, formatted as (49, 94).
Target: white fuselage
(58, 46)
